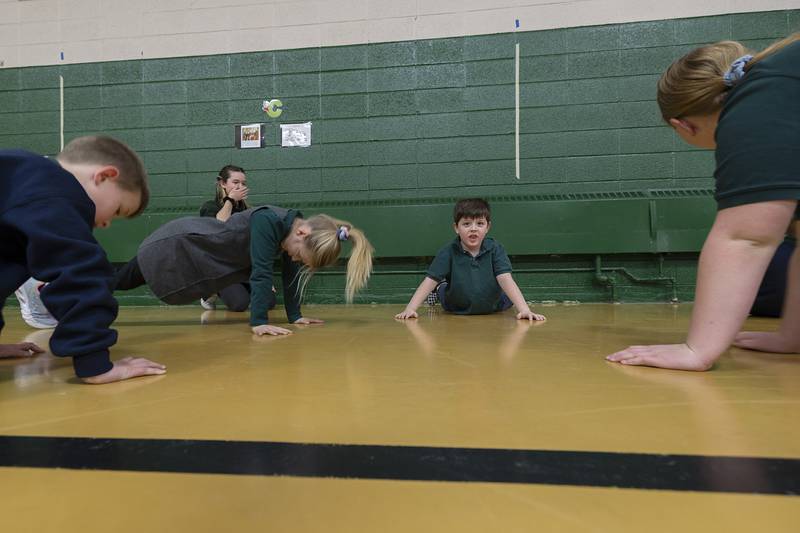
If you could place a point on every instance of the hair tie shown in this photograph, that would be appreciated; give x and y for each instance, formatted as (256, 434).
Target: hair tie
(736, 72)
(343, 233)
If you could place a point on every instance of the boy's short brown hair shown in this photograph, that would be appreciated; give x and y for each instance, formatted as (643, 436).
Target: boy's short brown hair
(472, 208)
(104, 150)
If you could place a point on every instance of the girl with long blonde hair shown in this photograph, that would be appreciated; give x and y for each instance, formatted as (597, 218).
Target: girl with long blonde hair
(315, 243)
(190, 257)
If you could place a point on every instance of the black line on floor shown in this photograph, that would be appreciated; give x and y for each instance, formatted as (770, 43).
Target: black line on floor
(749, 475)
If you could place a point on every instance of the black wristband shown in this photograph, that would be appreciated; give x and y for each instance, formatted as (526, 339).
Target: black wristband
(228, 199)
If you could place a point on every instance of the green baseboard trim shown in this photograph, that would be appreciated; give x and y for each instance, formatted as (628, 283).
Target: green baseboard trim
(614, 278)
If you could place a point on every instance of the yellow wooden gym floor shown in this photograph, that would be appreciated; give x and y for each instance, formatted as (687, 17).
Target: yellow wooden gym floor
(441, 424)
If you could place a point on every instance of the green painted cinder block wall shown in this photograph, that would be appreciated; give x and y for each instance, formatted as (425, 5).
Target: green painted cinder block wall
(405, 121)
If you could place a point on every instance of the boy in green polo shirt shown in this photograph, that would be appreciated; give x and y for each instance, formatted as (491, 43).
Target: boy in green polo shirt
(471, 274)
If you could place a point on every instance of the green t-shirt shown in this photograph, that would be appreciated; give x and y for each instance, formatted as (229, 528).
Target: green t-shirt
(267, 231)
(472, 287)
(758, 134)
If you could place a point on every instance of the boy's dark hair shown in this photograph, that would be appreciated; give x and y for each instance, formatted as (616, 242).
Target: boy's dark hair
(472, 208)
(103, 150)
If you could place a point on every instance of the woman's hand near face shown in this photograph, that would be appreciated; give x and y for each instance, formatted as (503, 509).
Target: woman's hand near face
(238, 194)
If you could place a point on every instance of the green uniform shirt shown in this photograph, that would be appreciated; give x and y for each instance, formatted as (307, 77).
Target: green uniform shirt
(472, 287)
(758, 134)
(267, 231)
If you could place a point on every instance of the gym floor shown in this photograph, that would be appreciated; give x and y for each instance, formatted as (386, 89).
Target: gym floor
(445, 423)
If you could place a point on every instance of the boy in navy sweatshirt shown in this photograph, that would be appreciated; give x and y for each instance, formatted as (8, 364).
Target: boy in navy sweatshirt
(47, 211)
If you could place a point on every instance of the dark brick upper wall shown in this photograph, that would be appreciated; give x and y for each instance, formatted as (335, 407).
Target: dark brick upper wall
(415, 119)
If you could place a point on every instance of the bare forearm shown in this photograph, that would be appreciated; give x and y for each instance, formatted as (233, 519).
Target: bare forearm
(728, 276)
(421, 293)
(790, 325)
(511, 289)
(225, 212)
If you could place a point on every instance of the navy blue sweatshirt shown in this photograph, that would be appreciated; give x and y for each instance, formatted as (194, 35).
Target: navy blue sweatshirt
(46, 221)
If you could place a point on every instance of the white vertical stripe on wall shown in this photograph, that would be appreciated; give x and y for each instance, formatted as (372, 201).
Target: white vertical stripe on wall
(35, 32)
(61, 112)
(516, 109)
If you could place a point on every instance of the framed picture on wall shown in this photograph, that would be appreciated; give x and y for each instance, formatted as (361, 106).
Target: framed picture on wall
(250, 136)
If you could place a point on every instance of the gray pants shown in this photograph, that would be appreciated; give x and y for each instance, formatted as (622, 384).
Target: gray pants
(236, 297)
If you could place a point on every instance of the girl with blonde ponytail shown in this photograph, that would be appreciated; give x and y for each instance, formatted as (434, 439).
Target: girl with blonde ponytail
(315, 243)
(747, 108)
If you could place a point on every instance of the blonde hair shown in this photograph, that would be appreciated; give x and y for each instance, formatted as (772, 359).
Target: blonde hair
(693, 85)
(223, 176)
(103, 150)
(325, 246)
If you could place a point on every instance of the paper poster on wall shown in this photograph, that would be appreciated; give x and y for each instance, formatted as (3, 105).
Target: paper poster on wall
(249, 136)
(296, 134)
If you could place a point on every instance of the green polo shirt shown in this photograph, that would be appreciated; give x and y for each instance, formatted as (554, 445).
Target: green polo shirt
(267, 231)
(472, 287)
(758, 134)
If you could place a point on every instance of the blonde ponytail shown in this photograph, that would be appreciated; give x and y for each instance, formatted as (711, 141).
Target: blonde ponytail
(325, 245)
(694, 84)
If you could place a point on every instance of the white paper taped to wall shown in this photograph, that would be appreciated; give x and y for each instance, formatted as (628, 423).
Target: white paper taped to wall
(296, 134)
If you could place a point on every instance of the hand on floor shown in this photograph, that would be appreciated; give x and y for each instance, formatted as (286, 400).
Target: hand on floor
(530, 315)
(23, 349)
(308, 320)
(675, 356)
(127, 368)
(266, 329)
(762, 341)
